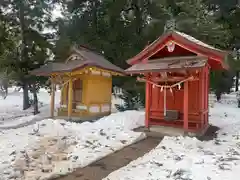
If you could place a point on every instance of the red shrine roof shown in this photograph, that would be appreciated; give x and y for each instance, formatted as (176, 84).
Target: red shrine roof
(216, 57)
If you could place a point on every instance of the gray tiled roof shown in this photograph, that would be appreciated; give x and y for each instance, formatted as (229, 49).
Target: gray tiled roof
(86, 57)
(168, 64)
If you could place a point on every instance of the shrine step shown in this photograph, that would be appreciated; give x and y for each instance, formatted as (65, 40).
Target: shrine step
(160, 131)
(166, 131)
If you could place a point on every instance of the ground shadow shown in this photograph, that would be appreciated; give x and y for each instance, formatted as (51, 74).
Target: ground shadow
(210, 134)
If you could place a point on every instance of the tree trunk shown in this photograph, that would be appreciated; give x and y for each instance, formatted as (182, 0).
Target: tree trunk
(26, 103)
(138, 15)
(24, 56)
(35, 100)
(236, 81)
(218, 95)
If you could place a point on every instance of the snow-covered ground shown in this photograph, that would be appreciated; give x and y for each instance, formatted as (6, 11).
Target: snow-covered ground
(185, 158)
(12, 115)
(55, 147)
(49, 148)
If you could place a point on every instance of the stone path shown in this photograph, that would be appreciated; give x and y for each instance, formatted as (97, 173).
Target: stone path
(104, 167)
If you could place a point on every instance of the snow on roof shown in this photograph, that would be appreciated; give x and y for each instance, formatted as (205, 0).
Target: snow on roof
(196, 41)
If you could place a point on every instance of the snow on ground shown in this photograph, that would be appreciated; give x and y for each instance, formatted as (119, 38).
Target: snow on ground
(185, 158)
(34, 147)
(11, 113)
(54, 147)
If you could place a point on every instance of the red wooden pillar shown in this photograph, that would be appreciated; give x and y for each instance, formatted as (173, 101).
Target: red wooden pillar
(147, 102)
(185, 106)
(207, 94)
(202, 96)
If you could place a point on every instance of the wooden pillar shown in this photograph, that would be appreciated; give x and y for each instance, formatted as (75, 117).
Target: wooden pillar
(52, 97)
(206, 96)
(202, 95)
(147, 102)
(64, 94)
(207, 92)
(61, 100)
(185, 106)
(70, 98)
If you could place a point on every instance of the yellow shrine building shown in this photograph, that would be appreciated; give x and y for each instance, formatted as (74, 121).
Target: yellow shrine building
(85, 79)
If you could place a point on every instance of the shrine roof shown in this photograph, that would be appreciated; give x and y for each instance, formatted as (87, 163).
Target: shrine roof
(80, 57)
(198, 42)
(186, 42)
(168, 64)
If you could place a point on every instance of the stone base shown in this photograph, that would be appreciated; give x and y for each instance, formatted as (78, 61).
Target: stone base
(84, 118)
(159, 131)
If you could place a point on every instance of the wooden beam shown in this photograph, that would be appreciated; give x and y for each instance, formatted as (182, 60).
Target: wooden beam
(52, 97)
(185, 106)
(70, 98)
(183, 72)
(173, 79)
(169, 79)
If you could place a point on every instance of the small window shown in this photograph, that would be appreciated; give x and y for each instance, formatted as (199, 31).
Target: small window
(74, 57)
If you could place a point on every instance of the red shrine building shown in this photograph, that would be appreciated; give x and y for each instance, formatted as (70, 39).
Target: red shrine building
(175, 69)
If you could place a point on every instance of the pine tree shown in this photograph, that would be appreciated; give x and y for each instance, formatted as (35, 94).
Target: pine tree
(30, 47)
(227, 13)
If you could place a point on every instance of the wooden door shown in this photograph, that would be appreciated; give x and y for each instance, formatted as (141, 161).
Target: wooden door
(77, 92)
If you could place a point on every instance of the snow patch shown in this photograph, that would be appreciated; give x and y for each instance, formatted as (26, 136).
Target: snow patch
(51, 148)
(187, 158)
